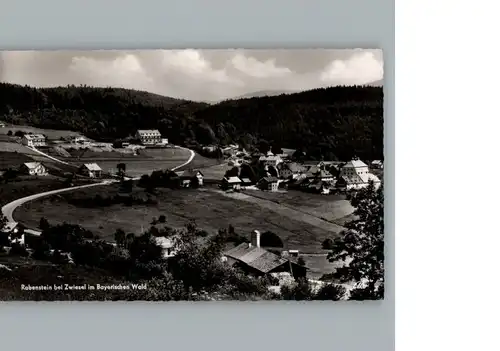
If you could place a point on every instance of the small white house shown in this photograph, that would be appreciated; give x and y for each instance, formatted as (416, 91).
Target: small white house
(91, 170)
(34, 168)
(168, 246)
(33, 140)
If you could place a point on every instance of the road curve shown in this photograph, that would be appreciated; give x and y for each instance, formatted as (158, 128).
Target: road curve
(8, 209)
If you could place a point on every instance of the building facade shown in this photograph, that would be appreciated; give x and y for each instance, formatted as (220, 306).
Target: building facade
(149, 136)
(33, 140)
(91, 170)
(34, 168)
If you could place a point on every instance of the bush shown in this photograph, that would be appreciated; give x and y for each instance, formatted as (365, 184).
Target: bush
(330, 292)
(162, 219)
(299, 291)
(327, 244)
(270, 239)
(18, 250)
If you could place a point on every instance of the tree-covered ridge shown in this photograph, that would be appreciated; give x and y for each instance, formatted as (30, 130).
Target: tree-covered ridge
(336, 122)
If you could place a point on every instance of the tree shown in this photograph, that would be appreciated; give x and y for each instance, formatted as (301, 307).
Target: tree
(299, 291)
(9, 133)
(19, 133)
(233, 172)
(301, 261)
(327, 244)
(331, 292)
(363, 243)
(270, 239)
(3, 222)
(276, 149)
(120, 238)
(44, 224)
(162, 219)
(121, 169)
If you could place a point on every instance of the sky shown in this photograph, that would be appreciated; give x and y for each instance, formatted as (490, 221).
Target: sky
(200, 75)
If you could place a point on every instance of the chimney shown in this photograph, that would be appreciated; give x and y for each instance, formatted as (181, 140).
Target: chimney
(255, 240)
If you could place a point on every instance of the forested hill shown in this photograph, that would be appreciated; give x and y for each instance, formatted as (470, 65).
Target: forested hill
(336, 122)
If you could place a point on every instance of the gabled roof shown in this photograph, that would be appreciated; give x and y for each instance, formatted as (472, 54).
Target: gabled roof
(32, 165)
(376, 162)
(355, 164)
(246, 180)
(295, 167)
(270, 158)
(256, 257)
(34, 136)
(190, 173)
(92, 167)
(269, 179)
(324, 174)
(148, 131)
(232, 180)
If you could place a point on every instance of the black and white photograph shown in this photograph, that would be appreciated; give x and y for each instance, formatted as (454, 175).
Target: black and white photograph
(192, 175)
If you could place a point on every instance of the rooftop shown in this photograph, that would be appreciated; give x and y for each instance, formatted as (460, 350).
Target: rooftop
(92, 167)
(34, 136)
(256, 257)
(148, 131)
(355, 164)
(232, 180)
(32, 165)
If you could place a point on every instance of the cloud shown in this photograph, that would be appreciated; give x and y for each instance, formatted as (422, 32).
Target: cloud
(361, 68)
(194, 74)
(255, 68)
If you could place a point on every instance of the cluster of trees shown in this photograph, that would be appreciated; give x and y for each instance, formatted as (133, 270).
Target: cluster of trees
(336, 122)
(361, 246)
(159, 179)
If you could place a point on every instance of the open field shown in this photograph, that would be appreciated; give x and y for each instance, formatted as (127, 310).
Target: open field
(28, 185)
(201, 162)
(144, 163)
(50, 133)
(215, 172)
(328, 207)
(13, 159)
(211, 209)
(8, 146)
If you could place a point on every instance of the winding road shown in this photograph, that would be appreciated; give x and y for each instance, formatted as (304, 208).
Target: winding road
(8, 209)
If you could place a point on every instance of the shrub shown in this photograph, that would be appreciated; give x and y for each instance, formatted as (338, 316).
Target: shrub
(18, 250)
(327, 244)
(330, 292)
(162, 219)
(270, 239)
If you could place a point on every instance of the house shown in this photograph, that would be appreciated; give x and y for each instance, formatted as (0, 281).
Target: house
(33, 140)
(324, 176)
(91, 170)
(148, 136)
(268, 183)
(255, 260)
(270, 160)
(291, 170)
(189, 177)
(168, 246)
(377, 164)
(164, 141)
(2, 125)
(34, 168)
(355, 175)
(231, 183)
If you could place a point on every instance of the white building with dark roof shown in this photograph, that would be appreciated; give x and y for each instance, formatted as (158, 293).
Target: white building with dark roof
(356, 175)
(34, 168)
(91, 170)
(149, 136)
(33, 140)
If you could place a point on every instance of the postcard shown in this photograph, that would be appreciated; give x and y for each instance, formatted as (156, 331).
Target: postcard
(192, 175)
